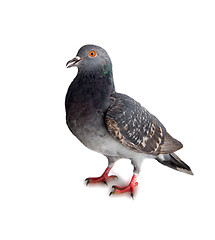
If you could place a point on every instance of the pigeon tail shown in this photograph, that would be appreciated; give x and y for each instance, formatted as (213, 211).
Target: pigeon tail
(173, 161)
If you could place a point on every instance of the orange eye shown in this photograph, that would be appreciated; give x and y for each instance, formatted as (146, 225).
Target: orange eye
(92, 53)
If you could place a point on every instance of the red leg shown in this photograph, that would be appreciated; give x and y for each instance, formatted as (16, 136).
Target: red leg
(129, 188)
(103, 178)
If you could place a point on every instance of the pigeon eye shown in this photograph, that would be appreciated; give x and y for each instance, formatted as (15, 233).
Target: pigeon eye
(92, 53)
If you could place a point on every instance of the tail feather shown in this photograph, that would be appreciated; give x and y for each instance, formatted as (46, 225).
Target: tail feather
(173, 161)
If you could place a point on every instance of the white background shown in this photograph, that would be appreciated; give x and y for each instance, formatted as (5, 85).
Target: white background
(163, 55)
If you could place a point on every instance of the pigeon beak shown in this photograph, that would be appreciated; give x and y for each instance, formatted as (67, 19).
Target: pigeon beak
(73, 62)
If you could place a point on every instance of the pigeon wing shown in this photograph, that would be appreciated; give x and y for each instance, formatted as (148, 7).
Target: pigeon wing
(135, 128)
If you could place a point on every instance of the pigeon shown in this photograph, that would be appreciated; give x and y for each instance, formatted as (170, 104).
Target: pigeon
(112, 123)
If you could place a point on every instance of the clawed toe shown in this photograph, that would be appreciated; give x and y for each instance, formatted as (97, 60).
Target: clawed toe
(87, 181)
(103, 179)
(115, 189)
(129, 188)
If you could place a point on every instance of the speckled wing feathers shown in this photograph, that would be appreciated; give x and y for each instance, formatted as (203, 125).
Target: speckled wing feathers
(137, 129)
(133, 125)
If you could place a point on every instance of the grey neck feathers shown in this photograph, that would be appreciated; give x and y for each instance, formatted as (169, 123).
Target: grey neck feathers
(91, 86)
(102, 75)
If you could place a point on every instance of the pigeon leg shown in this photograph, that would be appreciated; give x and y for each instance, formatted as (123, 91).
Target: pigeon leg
(129, 188)
(103, 178)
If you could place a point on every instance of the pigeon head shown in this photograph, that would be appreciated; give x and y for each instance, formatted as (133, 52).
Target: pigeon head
(92, 60)
(90, 57)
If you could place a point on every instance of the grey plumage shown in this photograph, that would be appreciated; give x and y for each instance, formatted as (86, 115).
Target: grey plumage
(112, 123)
(136, 128)
(173, 161)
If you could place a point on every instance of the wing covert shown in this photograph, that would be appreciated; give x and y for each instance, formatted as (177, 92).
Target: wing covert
(133, 126)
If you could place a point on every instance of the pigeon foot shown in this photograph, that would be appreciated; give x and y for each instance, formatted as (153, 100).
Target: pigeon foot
(103, 178)
(129, 188)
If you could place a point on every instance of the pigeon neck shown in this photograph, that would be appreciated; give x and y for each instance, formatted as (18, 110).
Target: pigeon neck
(103, 75)
(107, 71)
